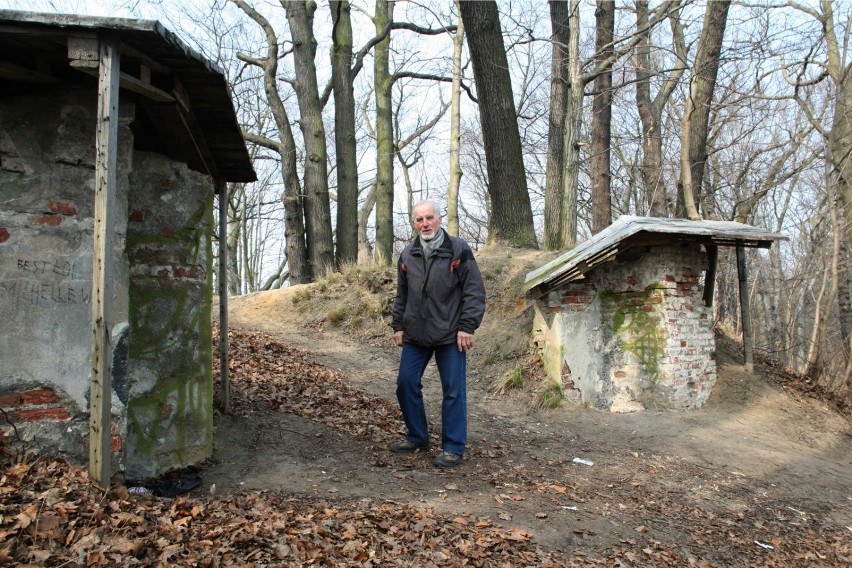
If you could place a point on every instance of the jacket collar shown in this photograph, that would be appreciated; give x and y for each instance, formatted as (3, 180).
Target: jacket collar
(446, 248)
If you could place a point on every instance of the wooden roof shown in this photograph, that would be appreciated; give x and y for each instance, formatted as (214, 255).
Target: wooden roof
(629, 232)
(184, 108)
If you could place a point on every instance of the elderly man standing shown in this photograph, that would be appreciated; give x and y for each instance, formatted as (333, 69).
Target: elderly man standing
(440, 301)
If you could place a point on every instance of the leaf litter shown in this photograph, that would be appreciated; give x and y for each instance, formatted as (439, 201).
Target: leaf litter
(52, 514)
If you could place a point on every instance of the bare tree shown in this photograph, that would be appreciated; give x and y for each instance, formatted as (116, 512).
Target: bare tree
(559, 80)
(697, 112)
(510, 221)
(300, 268)
(651, 110)
(602, 115)
(455, 131)
(300, 17)
(344, 134)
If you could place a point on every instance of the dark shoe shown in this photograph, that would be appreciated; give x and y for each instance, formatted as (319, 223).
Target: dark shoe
(448, 459)
(406, 447)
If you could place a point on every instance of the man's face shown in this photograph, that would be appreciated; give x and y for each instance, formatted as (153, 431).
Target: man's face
(427, 222)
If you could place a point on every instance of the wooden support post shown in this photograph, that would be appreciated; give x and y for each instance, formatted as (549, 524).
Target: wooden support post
(710, 275)
(225, 380)
(106, 179)
(745, 314)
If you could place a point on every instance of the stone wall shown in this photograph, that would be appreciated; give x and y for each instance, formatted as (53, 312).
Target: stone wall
(162, 401)
(634, 334)
(47, 159)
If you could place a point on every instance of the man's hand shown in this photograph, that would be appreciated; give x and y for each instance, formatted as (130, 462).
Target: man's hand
(465, 341)
(397, 338)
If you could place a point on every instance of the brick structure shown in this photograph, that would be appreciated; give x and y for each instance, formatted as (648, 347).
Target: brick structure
(623, 321)
(646, 341)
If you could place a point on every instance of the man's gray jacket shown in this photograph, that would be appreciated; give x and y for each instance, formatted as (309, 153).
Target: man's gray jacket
(439, 296)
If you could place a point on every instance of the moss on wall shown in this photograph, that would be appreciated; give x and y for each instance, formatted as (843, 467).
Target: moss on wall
(636, 323)
(170, 418)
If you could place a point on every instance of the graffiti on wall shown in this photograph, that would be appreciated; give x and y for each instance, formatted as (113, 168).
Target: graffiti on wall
(41, 282)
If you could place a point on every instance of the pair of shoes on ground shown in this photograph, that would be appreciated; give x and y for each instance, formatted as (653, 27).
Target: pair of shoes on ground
(444, 459)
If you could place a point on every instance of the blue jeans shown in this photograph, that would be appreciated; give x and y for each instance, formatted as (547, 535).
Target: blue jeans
(452, 366)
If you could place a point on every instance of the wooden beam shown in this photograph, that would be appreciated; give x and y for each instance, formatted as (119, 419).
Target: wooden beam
(12, 72)
(225, 380)
(710, 276)
(106, 180)
(131, 83)
(745, 314)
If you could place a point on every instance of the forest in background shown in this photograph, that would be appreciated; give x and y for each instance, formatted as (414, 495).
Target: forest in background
(537, 124)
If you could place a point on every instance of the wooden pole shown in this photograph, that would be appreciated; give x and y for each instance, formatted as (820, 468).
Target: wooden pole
(745, 314)
(710, 276)
(106, 179)
(225, 381)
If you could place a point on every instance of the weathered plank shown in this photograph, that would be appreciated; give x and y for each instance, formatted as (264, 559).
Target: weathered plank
(106, 179)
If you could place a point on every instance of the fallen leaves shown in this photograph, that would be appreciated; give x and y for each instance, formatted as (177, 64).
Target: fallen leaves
(51, 514)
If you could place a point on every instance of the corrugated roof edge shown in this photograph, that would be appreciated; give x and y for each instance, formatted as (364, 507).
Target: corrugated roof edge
(629, 225)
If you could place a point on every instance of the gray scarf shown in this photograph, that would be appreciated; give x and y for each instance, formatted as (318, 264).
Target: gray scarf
(429, 247)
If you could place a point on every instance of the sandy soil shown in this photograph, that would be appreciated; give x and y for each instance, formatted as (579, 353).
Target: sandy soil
(755, 445)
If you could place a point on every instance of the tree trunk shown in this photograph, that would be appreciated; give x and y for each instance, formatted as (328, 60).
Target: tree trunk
(559, 40)
(300, 16)
(511, 220)
(384, 136)
(651, 110)
(455, 133)
(573, 124)
(294, 227)
(840, 178)
(235, 228)
(344, 134)
(696, 114)
(602, 117)
(365, 250)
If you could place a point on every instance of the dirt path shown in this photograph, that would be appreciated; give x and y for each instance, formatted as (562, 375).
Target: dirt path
(755, 456)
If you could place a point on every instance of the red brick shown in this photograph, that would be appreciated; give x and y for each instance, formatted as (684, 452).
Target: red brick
(647, 308)
(39, 414)
(683, 343)
(40, 396)
(47, 219)
(4, 235)
(62, 207)
(10, 399)
(620, 375)
(668, 278)
(554, 310)
(137, 216)
(167, 233)
(115, 443)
